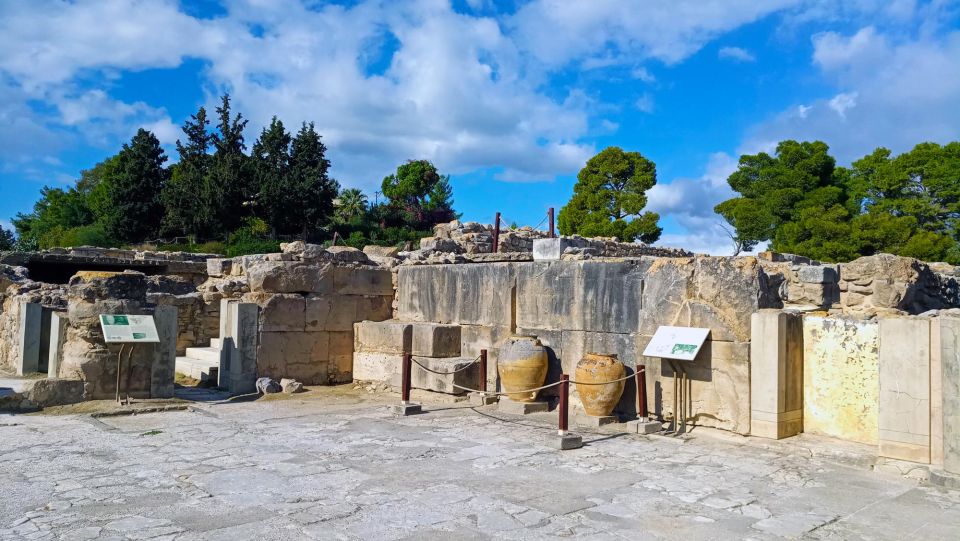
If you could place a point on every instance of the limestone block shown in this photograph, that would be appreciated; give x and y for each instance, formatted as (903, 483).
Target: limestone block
(163, 369)
(552, 249)
(950, 369)
(290, 277)
(374, 308)
(904, 414)
(436, 340)
(389, 336)
(242, 352)
(461, 294)
(936, 393)
(381, 251)
(817, 274)
(464, 374)
(473, 338)
(375, 366)
(719, 386)
(340, 352)
(666, 287)
(362, 281)
(331, 312)
(28, 360)
(776, 374)
(219, 267)
(841, 378)
(345, 254)
(58, 335)
(279, 311)
(302, 356)
(580, 295)
(732, 287)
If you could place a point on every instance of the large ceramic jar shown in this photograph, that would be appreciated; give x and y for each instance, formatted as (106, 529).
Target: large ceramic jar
(522, 364)
(599, 400)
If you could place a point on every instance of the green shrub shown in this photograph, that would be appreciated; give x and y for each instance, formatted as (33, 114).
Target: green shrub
(85, 235)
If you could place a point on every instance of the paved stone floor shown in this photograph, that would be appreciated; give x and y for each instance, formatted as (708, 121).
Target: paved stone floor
(336, 465)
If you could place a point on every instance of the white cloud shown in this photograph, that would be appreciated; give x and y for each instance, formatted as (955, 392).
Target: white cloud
(737, 54)
(842, 102)
(641, 73)
(644, 103)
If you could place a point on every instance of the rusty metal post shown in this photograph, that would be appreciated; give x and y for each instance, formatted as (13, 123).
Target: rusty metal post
(483, 370)
(564, 399)
(550, 219)
(641, 379)
(496, 234)
(405, 378)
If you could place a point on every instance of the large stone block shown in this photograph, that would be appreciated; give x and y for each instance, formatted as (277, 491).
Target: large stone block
(776, 374)
(391, 336)
(436, 340)
(719, 386)
(733, 288)
(303, 356)
(340, 352)
(841, 378)
(374, 308)
(331, 312)
(163, 370)
(58, 335)
(239, 368)
(454, 374)
(462, 294)
(375, 366)
(950, 368)
(279, 312)
(580, 295)
(904, 415)
(362, 281)
(666, 287)
(473, 338)
(28, 361)
(290, 277)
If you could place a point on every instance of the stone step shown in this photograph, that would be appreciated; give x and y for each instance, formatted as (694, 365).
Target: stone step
(197, 369)
(215, 343)
(208, 354)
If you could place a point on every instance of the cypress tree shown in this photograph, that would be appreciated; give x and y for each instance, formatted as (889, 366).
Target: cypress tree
(135, 208)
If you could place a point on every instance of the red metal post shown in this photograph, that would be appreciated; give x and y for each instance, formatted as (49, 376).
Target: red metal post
(564, 399)
(550, 219)
(483, 370)
(405, 377)
(641, 378)
(496, 234)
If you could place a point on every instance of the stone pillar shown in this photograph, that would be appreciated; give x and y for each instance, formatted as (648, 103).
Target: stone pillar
(226, 343)
(776, 374)
(162, 371)
(950, 358)
(242, 346)
(28, 360)
(904, 413)
(58, 335)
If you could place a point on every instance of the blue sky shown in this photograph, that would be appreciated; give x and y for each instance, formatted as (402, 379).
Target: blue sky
(510, 98)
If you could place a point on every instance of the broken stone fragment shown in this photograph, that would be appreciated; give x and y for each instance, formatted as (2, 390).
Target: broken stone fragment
(291, 386)
(268, 386)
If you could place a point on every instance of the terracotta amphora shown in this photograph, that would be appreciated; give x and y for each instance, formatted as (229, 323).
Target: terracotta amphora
(522, 365)
(599, 400)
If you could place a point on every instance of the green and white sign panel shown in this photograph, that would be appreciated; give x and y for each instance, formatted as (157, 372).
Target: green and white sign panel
(123, 329)
(681, 343)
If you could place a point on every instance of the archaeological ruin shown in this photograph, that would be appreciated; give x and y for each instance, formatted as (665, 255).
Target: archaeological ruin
(865, 351)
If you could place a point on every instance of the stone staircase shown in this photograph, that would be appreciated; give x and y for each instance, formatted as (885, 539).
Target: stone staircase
(201, 363)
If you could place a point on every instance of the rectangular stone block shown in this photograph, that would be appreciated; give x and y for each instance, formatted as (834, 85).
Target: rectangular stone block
(904, 413)
(374, 308)
(242, 353)
(28, 360)
(303, 356)
(473, 338)
(454, 372)
(58, 335)
(330, 312)
(950, 390)
(776, 374)
(936, 394)
(461, 294)
(389, 336)
(163, 369)
(279, 312)
(436, 340)
(340, 351)
(552, 249)
(362, 281)
(375, 366)
(219, 267)
(521, 408)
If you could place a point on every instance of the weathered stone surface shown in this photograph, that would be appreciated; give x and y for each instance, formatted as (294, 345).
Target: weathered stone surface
(817, 274)
(381, 251)
(291, 386)
(268, 386)
(362, 281)
(389, 336)
(375, 366)
(904, 412)
(374, 308)
(347, 254)
(776, 374)
(462, 294)
(588, 296)
(950, 358)
(331, 312)
(473, 338)
(303, 356)
(666, 286)
(340, 352)
(436, 340)
(841, 378)
(290, 277)
(279, 311)
(219, 266)
(457, 373)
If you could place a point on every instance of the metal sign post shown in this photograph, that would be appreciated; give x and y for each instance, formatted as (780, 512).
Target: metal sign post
(126, 329)
(678, 344)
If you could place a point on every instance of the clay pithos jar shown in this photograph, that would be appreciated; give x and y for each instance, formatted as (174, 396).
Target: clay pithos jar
(599, 400)
(522, 365)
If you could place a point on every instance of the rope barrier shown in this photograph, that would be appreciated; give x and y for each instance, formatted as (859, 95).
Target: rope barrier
(461, 369)
(501, 393)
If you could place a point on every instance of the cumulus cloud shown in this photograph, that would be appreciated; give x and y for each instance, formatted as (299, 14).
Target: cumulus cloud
(644, 103)
(737, 54)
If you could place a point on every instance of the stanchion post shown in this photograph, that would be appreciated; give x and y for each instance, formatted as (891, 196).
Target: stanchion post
(550, 220)
(564, 399)
(406, 407)
(496, 234)
(483, 370)
(641, 378)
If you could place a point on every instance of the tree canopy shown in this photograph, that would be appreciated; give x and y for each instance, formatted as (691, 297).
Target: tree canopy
(609, 198)
(419, 194)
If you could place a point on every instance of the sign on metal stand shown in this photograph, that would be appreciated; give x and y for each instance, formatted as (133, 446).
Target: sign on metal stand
(678, 344)
(126, 329)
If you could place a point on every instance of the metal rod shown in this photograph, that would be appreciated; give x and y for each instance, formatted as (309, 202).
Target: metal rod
(676, 398)
(641, 378)
(405, 370)
(119, 367)
(483, 370)
(126, 388)
(496, 234)
(562, 409)
(550, 220)
(686, 399)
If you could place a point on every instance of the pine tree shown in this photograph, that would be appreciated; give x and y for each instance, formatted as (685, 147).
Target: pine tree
(310, 188)
(135, 209)
(227, 187)
(271, 168)
(184, 201)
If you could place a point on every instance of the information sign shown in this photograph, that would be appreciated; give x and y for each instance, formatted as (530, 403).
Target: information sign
(681, 343)
(120, 328)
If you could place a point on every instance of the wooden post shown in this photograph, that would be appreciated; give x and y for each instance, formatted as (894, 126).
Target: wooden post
(550, 219)
(496, 234)
(405, 378)
(564, 400)
(483, 370)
